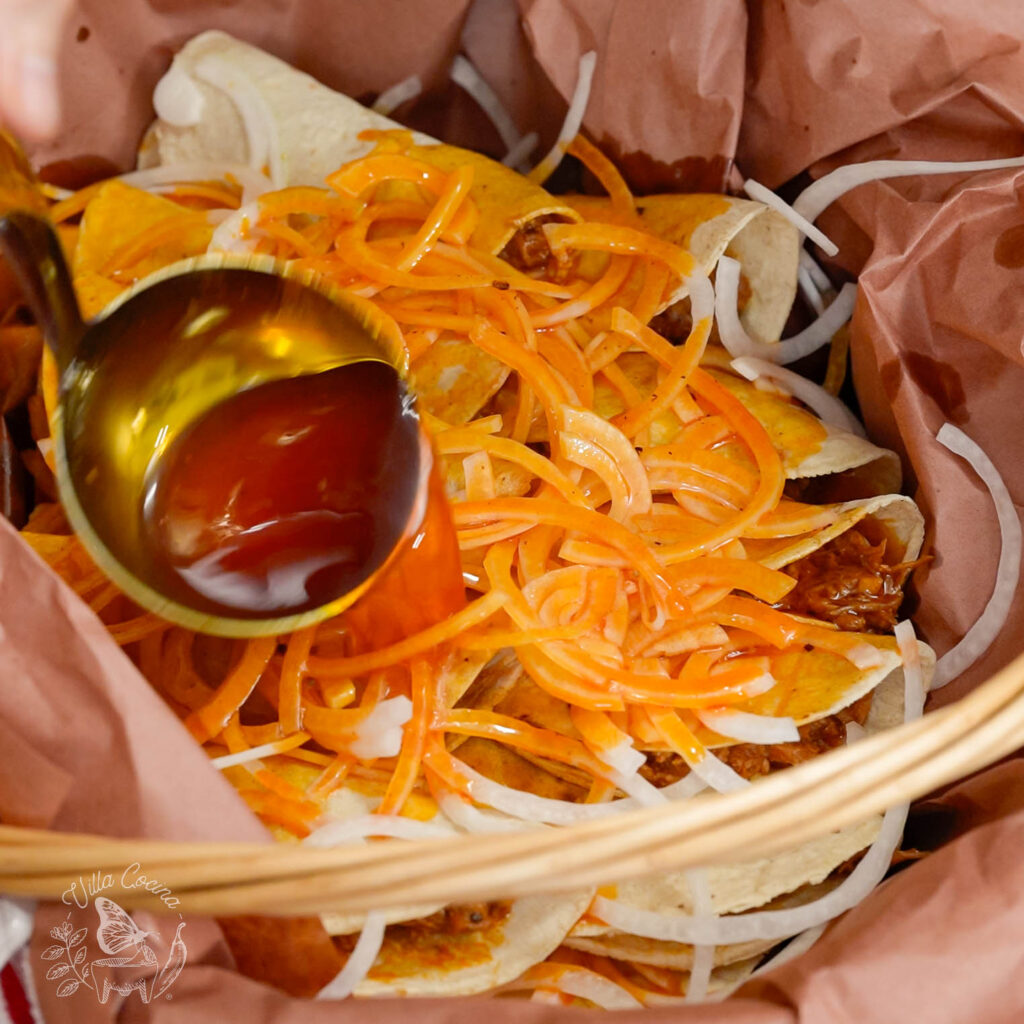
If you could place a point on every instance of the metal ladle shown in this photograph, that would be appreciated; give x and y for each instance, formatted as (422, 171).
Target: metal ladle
(175, 345)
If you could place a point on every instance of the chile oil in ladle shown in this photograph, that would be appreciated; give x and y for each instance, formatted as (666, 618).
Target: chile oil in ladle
(287, 495)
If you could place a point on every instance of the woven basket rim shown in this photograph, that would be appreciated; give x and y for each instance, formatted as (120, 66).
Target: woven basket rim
(779, 812)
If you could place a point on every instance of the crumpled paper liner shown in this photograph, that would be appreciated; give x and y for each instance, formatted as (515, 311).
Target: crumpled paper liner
(784, 89)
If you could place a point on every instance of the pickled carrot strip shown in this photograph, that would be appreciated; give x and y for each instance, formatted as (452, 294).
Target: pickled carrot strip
(296, 656)
(132, 630)
(558, 348)
(468, 439)
(331, 777)
(232, 693)
(623, 385)
(596, 295)
(737, 574)
(600, 734)
(479, 473)
(424, 710)
(296, 816)
(615, 238)
(671, 386)
(276, 784)
(516, 733)
(792, 518)
(533, 371)
(606, 173)
(652, 293)
(218, 194)
(451, 198)
(750, 431)
(233, 737)
(534, 551)
(355, 178)
(75, 203)
(295, 239)
(579, 520)
(419, 643)
(303, 201)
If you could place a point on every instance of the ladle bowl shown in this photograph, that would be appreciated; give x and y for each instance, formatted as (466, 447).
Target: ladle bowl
(170, 349)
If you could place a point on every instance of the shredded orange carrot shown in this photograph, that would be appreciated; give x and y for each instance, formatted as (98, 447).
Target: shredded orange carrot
(294, 815)
(292, 670)
(209, 720)
(216, 194)
(607, 173)
(424, 704)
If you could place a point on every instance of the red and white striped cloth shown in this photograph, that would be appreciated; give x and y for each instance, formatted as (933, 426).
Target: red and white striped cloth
(18, 1005)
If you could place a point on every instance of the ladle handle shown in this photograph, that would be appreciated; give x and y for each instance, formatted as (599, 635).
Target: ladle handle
(31, 245)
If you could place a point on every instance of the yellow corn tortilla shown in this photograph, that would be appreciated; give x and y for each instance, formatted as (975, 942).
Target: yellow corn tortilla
(710, 226)
(476, 962)
(808, 447)
(316, 130)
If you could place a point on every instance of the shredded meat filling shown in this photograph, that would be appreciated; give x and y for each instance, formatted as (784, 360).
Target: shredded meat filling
(463, 917)
(752, 760)
(528, 248)
(454, 920)
(848, 583)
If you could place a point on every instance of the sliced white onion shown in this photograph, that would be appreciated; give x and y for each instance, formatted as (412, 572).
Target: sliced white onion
(177, 99)
(750, 728)
(360, 960)
(906, 641)
(380, 733)
(228, 237)
(465, 74)
(810, 339)
(257, 120)
(717, 775)
(825, 191)
(645, 793)
(703, 956)
(762, 684)
(826, 406)
(773, 924)
(471, 819)
(393, 826)
(518, 155)
(796, 946)
(701, 291)
(809, 289)
(536, 809)
(253, 182)
(815, 273)
(245, 756)
(802, 223)
(573, 119)
(399, 93)
(990, 623)
(624, 758)
(688, 786)
(865, 657)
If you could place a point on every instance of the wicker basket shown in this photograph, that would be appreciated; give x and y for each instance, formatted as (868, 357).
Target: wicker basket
(791, 807)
